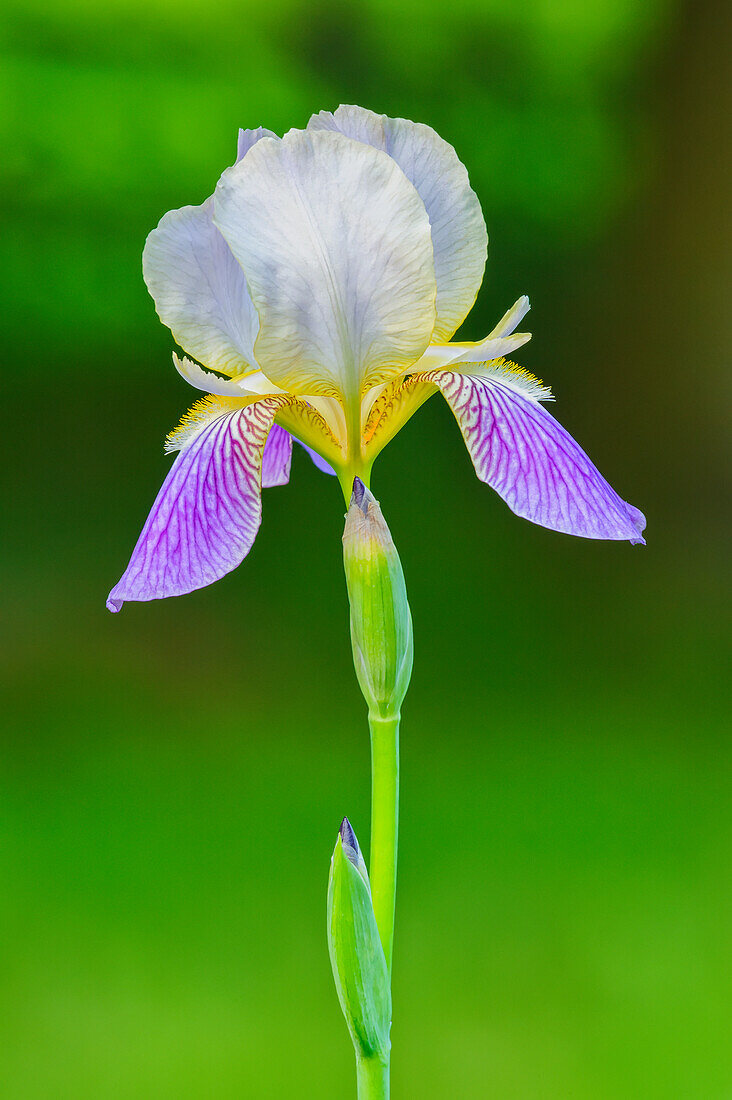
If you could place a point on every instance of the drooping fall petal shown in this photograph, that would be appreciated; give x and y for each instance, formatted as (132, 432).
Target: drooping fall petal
(207, 514)
(335, 243)
(522, 452)
(317, 460)
(459, 236)
(277, 458)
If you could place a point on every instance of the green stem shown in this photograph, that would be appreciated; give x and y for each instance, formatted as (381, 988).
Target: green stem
(372, 1076)
(384, 824)
(381, 635)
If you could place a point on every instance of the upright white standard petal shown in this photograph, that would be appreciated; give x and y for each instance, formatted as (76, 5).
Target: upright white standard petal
(248, 138)
(355, 122)
(458, 230)
(335, 243)
(200, 291)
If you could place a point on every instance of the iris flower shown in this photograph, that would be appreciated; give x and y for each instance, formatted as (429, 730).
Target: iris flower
(317, 292)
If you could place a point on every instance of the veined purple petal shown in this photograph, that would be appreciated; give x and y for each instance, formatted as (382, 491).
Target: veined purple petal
(207, 514)
(277, 457)
(523, 453)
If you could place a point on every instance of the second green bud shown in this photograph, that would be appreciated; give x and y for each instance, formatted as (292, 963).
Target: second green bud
(381, 622)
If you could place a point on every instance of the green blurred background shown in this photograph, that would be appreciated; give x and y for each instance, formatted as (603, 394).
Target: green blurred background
(173, 777)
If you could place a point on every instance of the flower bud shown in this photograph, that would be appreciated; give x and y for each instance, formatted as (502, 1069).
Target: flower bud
(381, 623)
(356, 954)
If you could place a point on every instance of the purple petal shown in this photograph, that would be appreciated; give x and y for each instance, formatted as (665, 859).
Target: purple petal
(277, 457)
(207, 514)
(521, 451)
(317, 459)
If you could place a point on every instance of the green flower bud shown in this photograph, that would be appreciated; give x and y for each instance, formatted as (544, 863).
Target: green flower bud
(381, 622)
(356, 954)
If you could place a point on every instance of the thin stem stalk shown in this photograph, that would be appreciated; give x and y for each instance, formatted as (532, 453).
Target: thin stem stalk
(384, 824)
(372, 1076)
(381, 636)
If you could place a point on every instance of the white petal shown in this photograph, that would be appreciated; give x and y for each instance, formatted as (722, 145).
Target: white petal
(248, 138)
(513, 317)
(491, 348)
(244, 386)
(200, 291)
(336, 247)
(354, 122)
(500, 342)
(458, 230)
(444, 355)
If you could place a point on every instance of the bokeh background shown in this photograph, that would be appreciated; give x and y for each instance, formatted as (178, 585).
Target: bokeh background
(173, 777)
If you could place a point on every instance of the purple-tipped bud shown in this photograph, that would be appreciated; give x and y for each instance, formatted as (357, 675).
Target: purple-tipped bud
(348, 840)
(357, 957)
(361, 496)
(351, 850)
(381, 624)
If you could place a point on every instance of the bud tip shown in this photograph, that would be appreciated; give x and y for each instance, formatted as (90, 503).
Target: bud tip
(360, 495)
(348, 840)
